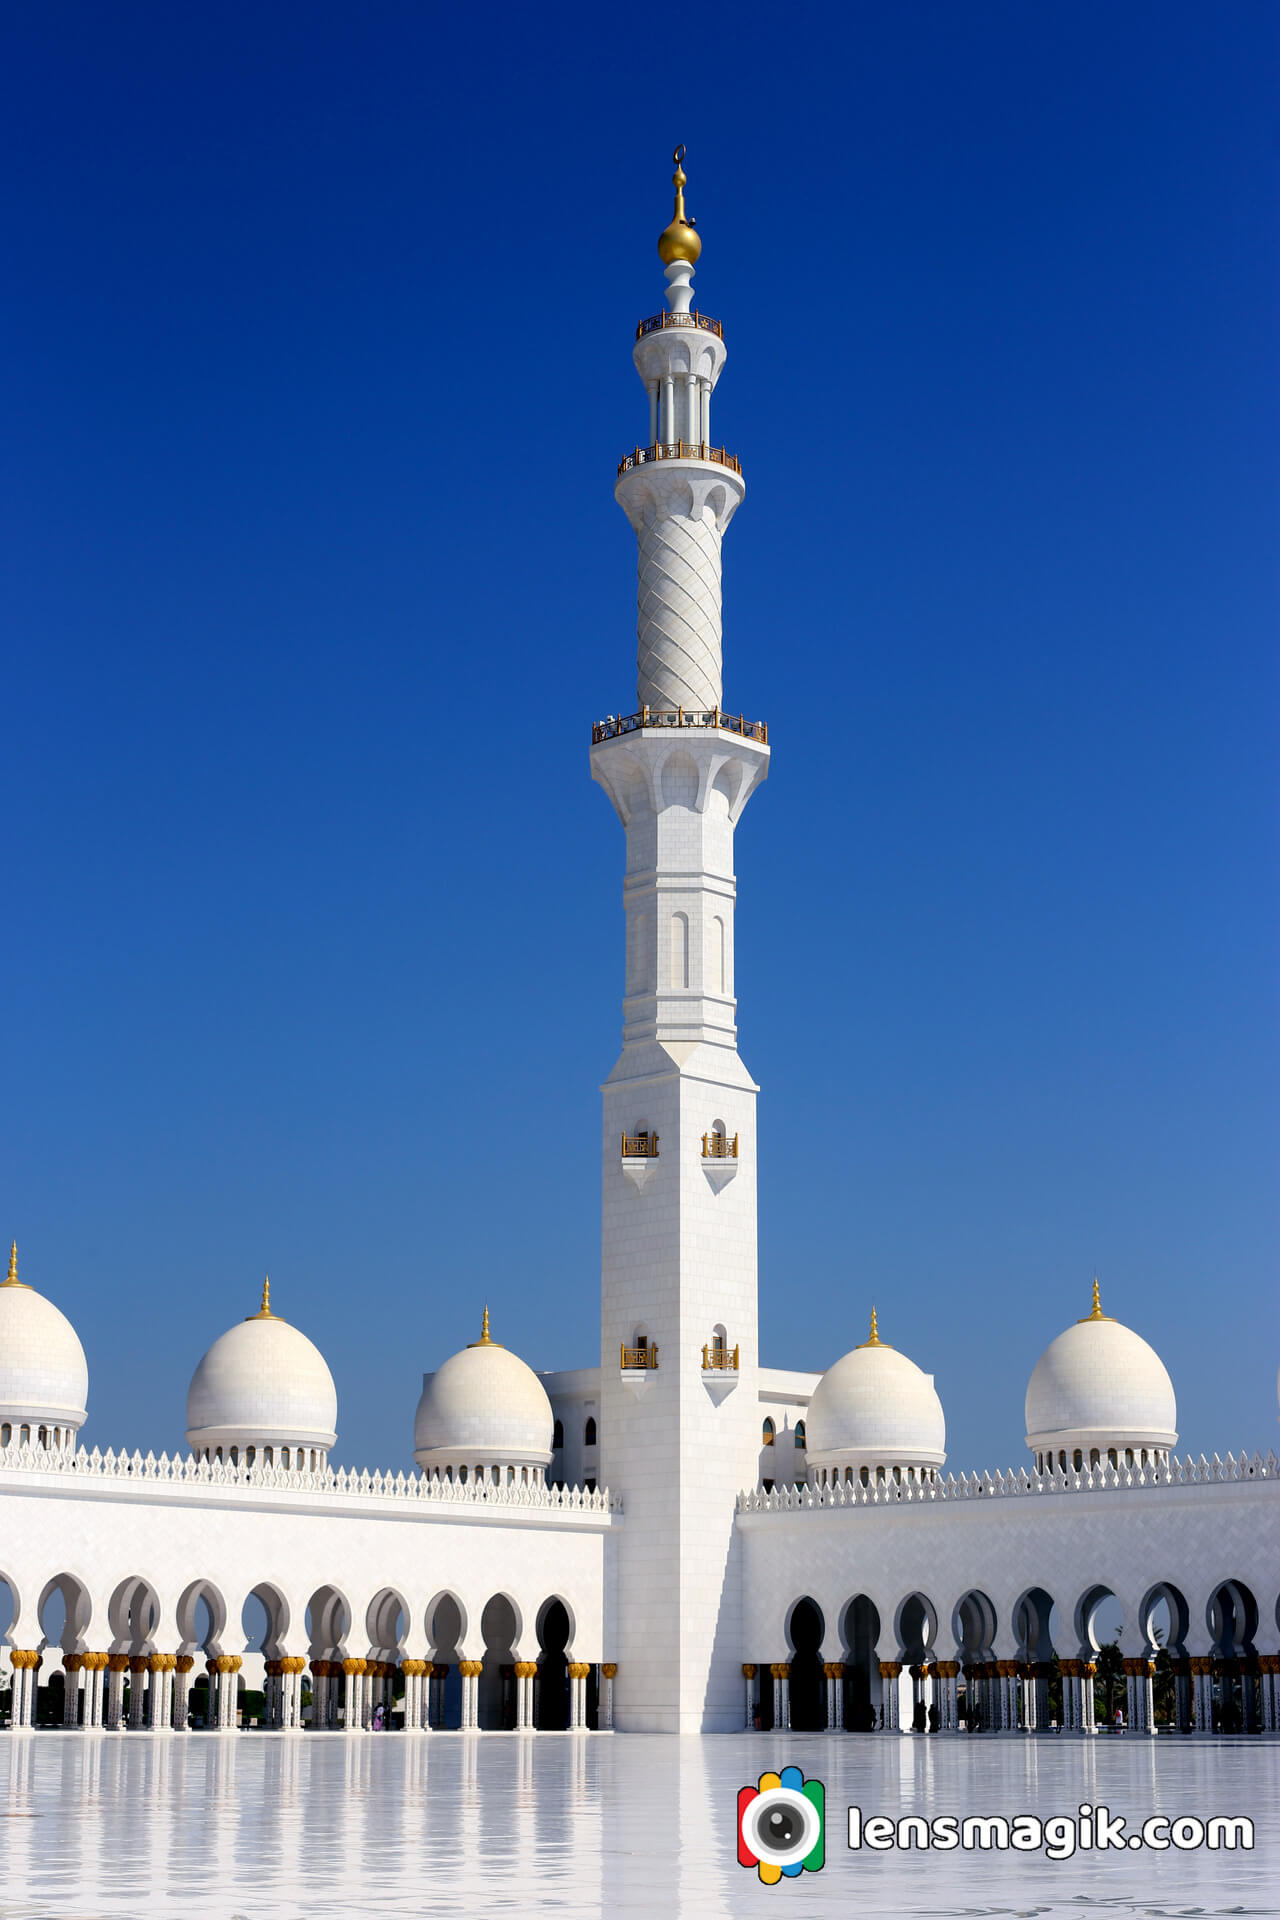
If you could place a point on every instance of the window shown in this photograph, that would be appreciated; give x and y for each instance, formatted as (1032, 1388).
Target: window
(1077, 1459)
(1111, 1456)
(769, 1432)
(557, 1435)
(799, 1436)
(589, 1434)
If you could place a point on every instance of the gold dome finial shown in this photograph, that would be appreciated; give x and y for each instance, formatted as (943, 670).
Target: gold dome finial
(484, 1340)
(873, 1339)
(264, 1311)
(13, 1280)
(1095, 1313)
(679, 241)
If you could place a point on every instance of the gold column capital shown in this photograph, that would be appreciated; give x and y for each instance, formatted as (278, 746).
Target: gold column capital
(470, 1669)
(579, 1669)
(780, 1669)
(610, 1669)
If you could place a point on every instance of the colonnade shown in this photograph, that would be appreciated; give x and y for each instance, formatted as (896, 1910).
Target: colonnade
(346, 1694)
(1012, 1696)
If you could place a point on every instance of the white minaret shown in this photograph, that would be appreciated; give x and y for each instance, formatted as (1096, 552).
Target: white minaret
(680, 1418)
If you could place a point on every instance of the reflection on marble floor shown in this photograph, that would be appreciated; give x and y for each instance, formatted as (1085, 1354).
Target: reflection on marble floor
(266, 1825)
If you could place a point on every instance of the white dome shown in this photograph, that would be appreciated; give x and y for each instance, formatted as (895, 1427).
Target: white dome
(44, 1378)
(873, 1408)
(484, 1405)
(1100, 1385)
(262, 1383)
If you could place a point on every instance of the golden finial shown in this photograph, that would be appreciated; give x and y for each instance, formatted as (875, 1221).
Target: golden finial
(1096, 1312)
(484, 1340)
(264, 1311)
(13, 1280)
(679, 241)
(873, 1340)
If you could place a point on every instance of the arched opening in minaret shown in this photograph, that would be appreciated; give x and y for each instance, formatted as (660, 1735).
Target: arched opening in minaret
(679, 950)
(808, 1704)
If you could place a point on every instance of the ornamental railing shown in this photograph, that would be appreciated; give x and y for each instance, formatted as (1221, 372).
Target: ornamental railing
(679, 450)
(719, 1360)
(718, 1146)
(639, 1146)
(657, 321)
(705, 718)
(184, 1470)
(1017, 1483)
(639, 1359)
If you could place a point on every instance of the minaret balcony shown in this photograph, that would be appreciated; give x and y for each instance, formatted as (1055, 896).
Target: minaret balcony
(702, 321)
(639, 1158)
(719, 1369)
(708, 719)
(639, 1364)
(679, 450)
(719, 1158)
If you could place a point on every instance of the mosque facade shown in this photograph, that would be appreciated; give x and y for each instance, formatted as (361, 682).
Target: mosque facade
(681, 1539)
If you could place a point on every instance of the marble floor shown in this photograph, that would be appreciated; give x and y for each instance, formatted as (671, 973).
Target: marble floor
(252, 1826)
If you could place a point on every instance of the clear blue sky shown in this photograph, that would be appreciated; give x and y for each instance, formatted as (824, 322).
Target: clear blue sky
(316, 362)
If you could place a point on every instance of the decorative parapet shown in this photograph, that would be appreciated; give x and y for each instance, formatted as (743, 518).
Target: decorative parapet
(679, 450)
(1016, 1483)
(639, 1359)
(701, 321)
(640, 1146)
(705, 719)
(719, 1359)
(186, 1470)
(718, 1146)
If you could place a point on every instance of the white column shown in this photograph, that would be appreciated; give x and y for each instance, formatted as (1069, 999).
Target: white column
(155, 1693)
(706, 412)
(890, 1672)
(138, 1690)
(668, 408)
(607, 1672)
(652, 389)
(470, 1672)
(71, 1664)
(117, 1667)
(749, 1682)
(694, 434)
(182, 1692)
(97, 1685)
(1088, 1713)
(833, 1679)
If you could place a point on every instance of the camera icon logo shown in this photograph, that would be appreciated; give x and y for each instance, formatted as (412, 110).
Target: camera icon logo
(780, 1825)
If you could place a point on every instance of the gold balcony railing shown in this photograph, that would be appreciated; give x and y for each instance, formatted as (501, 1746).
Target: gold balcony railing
(719, 1359)
(640, 1359)
(679, 450)
(639, 1146)
(705, 718)
(657, 321)
(718, 1146)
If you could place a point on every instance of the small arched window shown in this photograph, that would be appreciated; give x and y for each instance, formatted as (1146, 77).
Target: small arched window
(251, 1454)
(799, 1436)
(6, 1434)
(1077, 1459)
(1111, 1456)
(768, 1433)
(557, 1435)
(589, 1434)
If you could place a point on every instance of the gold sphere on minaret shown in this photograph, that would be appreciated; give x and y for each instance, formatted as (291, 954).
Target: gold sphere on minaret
(679, 241)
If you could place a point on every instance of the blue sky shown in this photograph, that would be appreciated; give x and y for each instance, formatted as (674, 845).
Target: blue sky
(316, 351)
